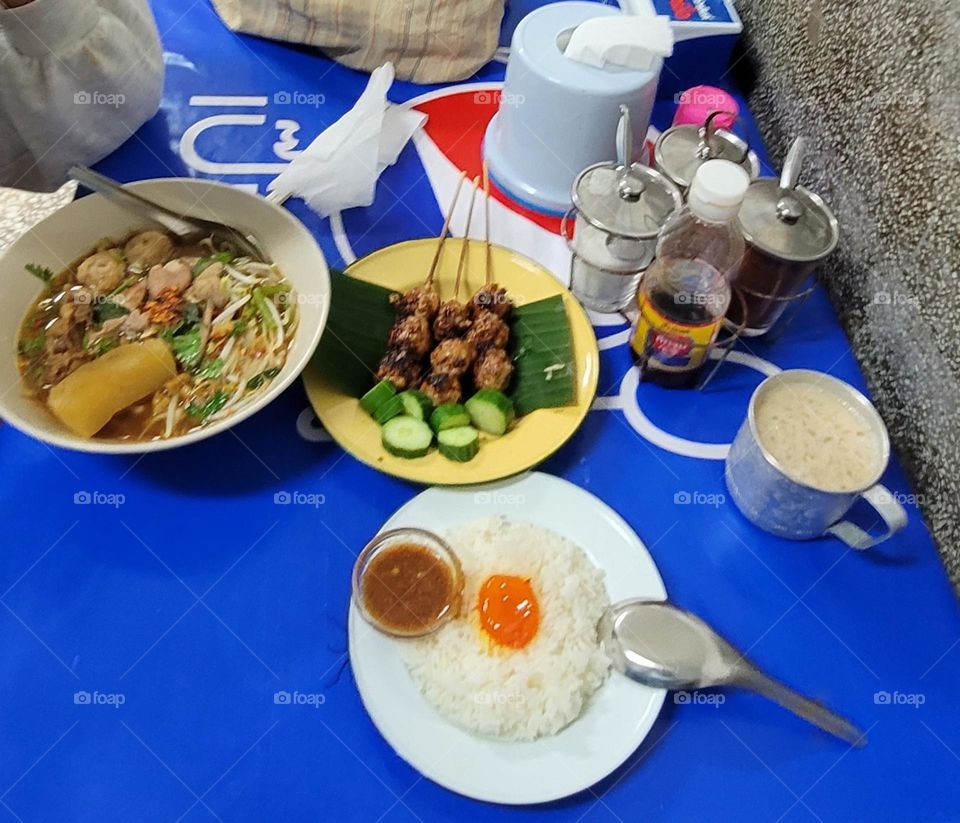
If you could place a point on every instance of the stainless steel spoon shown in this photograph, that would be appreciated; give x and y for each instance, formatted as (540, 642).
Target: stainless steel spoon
(183, 226)
(660, 645)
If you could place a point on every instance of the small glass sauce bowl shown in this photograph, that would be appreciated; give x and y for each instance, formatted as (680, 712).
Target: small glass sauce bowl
(407, 582)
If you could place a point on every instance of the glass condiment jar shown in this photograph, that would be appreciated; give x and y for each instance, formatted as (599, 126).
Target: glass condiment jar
(681, 150)
(620, 208)
(788, 231)
(407, 582)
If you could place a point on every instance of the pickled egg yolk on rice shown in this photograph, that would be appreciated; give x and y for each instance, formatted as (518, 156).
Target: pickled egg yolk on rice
(509, 611)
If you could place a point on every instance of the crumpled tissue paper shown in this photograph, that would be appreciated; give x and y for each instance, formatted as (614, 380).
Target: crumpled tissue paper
(340, 168)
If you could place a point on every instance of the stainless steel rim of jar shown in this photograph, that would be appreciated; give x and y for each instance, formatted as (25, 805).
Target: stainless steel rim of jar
(676, 149)
(766, 229)
(645, 176)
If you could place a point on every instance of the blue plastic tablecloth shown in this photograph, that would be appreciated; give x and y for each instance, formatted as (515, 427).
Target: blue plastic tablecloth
(153, 607)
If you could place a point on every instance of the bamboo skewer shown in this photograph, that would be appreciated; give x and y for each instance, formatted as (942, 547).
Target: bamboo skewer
(488, 262)
(445, 229)
(466, 238)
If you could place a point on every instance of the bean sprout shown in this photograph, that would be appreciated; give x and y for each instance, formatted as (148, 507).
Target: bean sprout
(230, 310)
(171, 415)
(246, 279)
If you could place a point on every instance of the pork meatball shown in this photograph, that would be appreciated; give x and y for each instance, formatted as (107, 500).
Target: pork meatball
(421, 300)
(101, 272)
(148, 248)
(411, 332)
(491, 298)
(488, 331)
(401, 367)
(442, 388)
(493, 370)
(453, 356)
(452, 320)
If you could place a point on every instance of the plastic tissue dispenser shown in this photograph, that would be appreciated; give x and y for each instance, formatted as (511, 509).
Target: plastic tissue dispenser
(572, 65)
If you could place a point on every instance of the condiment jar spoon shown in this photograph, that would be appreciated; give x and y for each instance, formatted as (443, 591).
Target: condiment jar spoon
(185, 227)
(661, 645)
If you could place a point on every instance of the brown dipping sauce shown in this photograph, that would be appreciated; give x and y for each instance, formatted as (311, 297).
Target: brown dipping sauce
(407, 588)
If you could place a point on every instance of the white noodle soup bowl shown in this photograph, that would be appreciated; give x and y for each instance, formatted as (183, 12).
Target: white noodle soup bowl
(74, 230)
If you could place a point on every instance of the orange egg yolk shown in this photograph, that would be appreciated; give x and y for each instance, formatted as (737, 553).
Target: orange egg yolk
(509, 612)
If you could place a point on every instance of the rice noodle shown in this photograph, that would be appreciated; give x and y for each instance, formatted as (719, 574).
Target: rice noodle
(230, 310)
(246, 279)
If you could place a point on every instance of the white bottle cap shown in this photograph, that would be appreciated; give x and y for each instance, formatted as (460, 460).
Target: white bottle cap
(717, 190)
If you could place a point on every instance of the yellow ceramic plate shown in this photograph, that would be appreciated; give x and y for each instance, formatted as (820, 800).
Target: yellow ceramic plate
(533, 438)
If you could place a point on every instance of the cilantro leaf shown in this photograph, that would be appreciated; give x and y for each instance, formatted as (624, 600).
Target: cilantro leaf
(108, 310)
(186, 347)
(223, 257)
(31, 346)
(258, 380)
(203, 410)
(210, 369)
(40, 271)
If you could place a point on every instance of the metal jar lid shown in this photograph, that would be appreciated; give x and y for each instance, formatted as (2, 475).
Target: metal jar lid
(628, 201)
(786, 220)
(681, 150)
(625, 199)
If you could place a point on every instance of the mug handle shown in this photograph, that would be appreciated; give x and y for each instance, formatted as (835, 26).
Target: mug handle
(884, 504)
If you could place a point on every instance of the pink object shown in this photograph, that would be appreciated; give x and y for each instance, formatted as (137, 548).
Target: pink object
(695, 104)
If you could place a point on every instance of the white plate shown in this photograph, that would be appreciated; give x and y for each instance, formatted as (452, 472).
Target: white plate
(615, 722)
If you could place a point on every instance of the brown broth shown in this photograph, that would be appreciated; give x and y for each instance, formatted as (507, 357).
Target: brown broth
(407, 588)
(138, 422)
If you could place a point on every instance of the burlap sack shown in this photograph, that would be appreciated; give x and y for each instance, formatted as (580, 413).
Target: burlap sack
(429, 41)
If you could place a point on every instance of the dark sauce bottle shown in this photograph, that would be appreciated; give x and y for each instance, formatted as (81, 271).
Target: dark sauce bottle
(686, 291)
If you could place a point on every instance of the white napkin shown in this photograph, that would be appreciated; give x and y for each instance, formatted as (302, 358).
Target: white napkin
(632, 41)
(340, 168)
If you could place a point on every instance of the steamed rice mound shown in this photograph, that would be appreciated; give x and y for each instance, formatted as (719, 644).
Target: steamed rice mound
(517, 694)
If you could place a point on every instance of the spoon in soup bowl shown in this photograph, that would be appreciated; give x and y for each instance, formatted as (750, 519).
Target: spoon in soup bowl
(663, 646)
(184, 227)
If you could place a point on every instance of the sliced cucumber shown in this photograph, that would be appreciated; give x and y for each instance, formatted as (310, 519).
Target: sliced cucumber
(449, 416)
(377, 396)
(406, 436)
(393, 407)
(491, 411)
(460, 444)
(416, 404)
